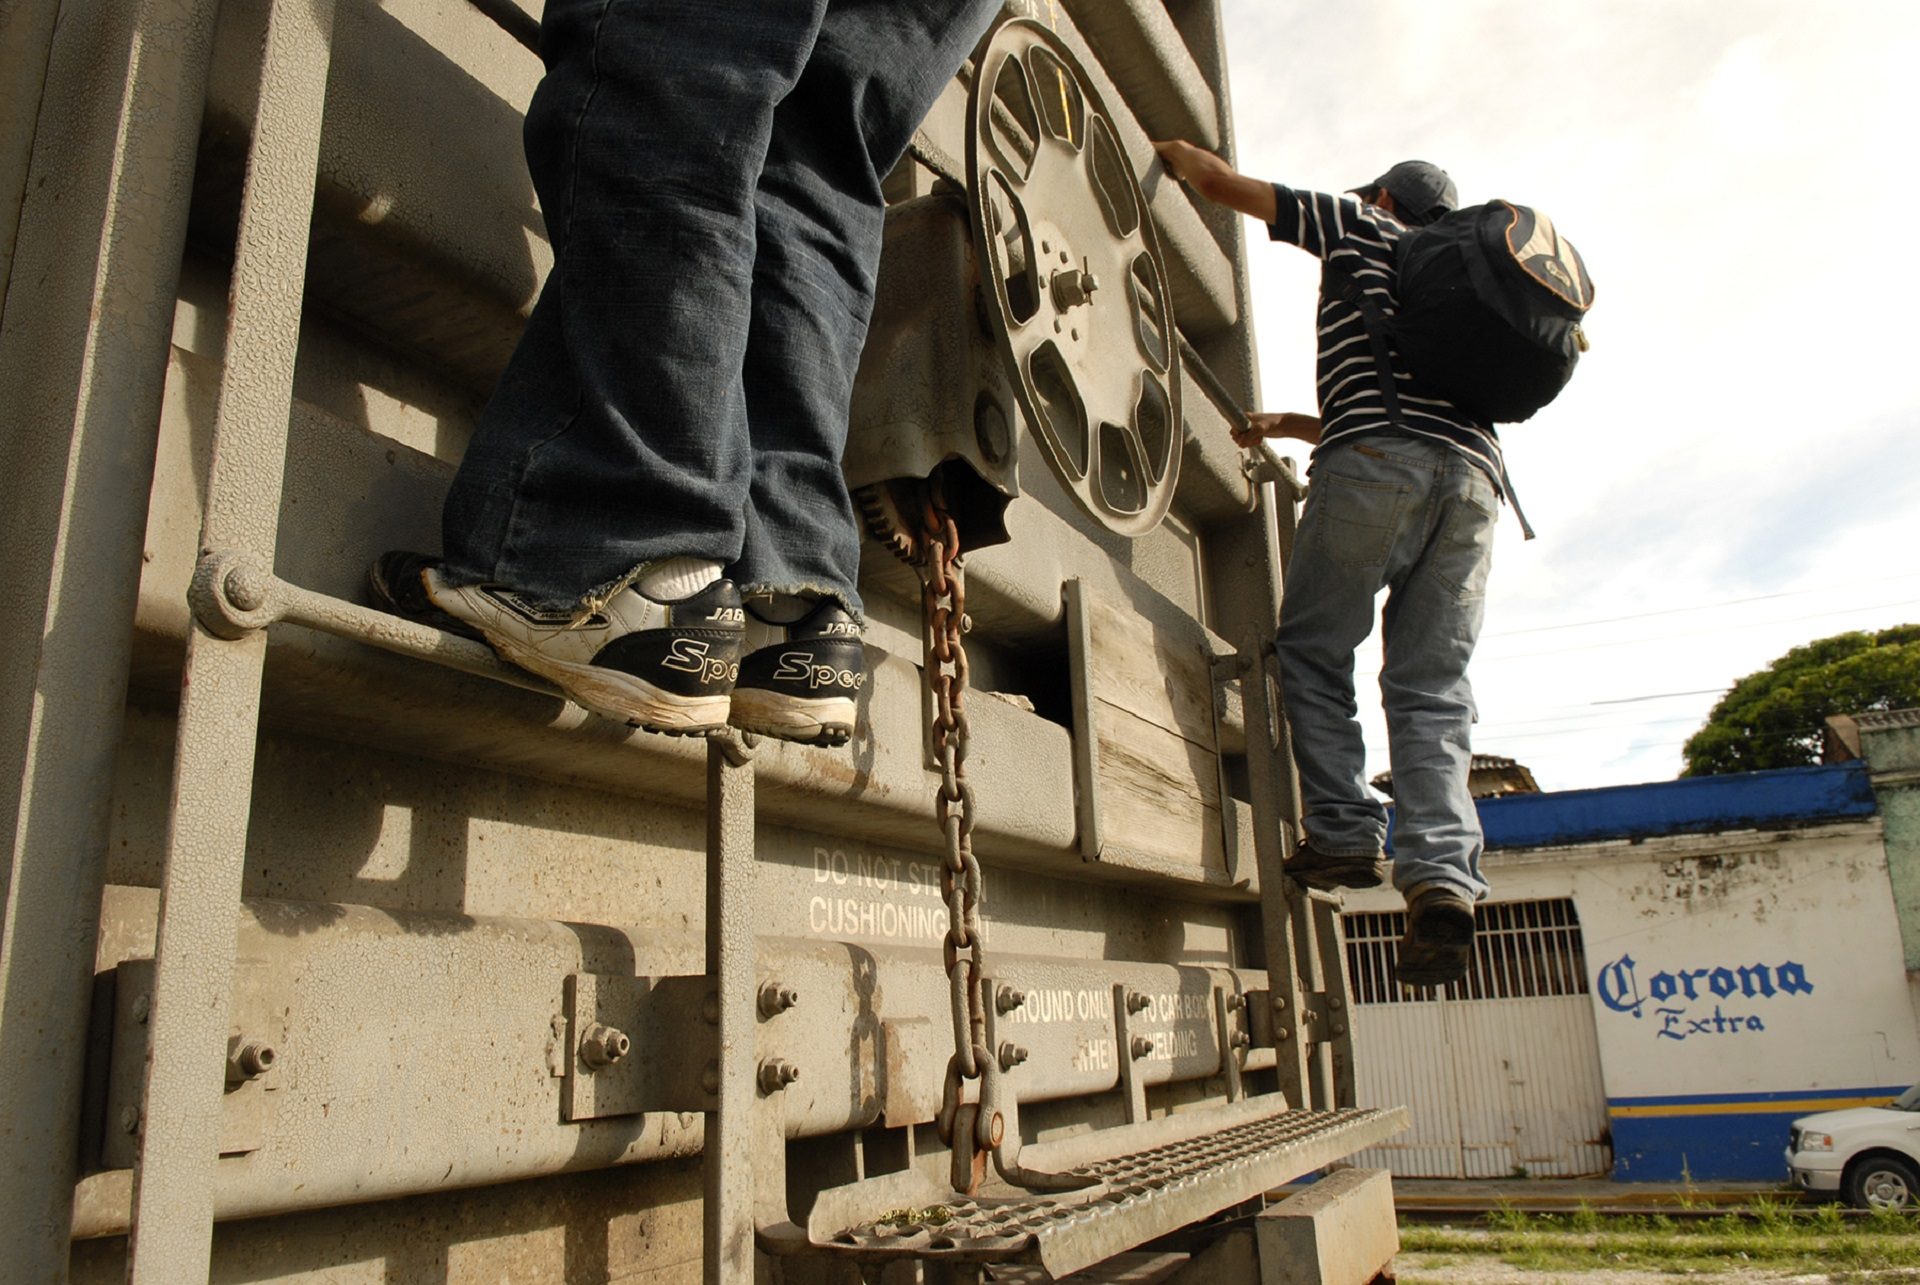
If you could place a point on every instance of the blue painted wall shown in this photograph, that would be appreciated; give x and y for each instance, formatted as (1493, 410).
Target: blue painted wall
(1783, 797)
(1728, 1137)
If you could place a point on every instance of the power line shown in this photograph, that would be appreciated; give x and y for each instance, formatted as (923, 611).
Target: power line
(1705, 606)
(1660, 696)
(1697, 633)
(1588, 731)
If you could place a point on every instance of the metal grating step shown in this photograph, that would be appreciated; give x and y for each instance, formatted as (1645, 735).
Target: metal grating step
(1153, 1178)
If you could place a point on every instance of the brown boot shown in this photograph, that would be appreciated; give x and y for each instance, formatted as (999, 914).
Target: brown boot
(1327, 871)
(1439, 941)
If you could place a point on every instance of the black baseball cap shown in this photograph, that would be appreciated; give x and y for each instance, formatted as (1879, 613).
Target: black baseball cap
(1421, 191)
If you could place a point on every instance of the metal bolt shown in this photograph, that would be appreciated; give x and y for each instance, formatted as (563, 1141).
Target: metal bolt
(776, 998)
(1137, 1003)
(246, 588)
(130, 1119)
(1240, 1040)
(142, 1008)
(1011, 1055)
(249, 1060)
(1141, 1046)
(1008, 998)
(776, 1074)
(1236, 1002)
(603, 1045)
(255, 1058)
(1073, 288)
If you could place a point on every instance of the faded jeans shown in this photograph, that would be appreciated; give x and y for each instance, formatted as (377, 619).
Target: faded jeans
(1415, 518)
(710, 175)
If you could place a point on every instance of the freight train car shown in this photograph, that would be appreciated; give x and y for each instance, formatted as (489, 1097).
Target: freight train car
(336, 950)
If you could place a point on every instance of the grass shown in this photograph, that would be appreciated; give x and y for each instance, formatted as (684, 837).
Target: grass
(1776, 1236)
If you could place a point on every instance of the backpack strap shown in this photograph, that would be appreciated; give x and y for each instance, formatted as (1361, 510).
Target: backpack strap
(1344, 285)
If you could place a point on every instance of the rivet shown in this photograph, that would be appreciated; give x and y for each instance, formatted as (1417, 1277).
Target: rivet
(710, 1078)
(130, 1119)
(142, 1008)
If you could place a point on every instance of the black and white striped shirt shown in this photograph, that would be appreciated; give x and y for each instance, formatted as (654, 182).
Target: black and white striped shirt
(1358, 239)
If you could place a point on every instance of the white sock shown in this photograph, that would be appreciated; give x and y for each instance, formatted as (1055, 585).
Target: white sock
(672, 579)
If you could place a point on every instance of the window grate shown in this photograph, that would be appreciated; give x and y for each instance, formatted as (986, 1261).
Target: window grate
(1521, 950)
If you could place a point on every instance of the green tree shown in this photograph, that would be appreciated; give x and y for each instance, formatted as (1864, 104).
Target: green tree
(1775, 718)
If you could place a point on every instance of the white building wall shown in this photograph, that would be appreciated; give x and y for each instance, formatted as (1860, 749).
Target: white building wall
(1738, 980)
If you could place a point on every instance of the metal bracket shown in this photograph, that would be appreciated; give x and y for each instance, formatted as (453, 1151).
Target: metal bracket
(1133, 1087)
(1233, 1041)
(637, 1044)
(1086, 749)
(258, 1062)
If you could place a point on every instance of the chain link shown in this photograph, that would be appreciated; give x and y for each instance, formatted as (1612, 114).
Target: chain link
(943, 599)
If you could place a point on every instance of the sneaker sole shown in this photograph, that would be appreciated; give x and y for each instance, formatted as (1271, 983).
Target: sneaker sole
(622, 697)
(828, 721)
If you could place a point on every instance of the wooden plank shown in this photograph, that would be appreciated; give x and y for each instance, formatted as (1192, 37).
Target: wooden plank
(1159, 792)
(1159, 673)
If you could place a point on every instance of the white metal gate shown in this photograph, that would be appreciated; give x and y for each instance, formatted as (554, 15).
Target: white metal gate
(1502, 1069)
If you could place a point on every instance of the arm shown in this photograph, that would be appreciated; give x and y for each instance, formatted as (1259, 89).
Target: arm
(1218, 181)
(1301, 428)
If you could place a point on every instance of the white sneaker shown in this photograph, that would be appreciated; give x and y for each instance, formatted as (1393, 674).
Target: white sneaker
(800, 680)
(663, 666)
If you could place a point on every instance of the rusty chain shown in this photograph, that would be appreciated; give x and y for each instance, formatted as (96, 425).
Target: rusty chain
(943, 599)
(991, 1121)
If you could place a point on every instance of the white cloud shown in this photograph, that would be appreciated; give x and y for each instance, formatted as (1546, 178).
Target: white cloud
(1739, 178)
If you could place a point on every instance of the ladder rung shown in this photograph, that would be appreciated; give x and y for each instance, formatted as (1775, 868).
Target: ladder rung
(1154, 1178)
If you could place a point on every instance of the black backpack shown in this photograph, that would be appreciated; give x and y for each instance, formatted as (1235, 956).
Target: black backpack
(1491, 299)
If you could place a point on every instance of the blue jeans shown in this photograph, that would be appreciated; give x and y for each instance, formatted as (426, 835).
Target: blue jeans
(1415, 518)
(710, 174)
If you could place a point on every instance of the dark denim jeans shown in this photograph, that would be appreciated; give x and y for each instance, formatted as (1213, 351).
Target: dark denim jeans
(710, 174)
(1414, 518)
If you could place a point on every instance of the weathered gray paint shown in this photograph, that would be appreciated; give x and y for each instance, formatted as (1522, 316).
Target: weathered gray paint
(90, 304)
(26, 33)
(211, 798)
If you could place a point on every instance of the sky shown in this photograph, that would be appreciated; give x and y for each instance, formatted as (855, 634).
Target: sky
(1735, 468)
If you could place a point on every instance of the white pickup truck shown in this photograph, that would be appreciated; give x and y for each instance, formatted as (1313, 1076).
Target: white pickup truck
(1869, 1154)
